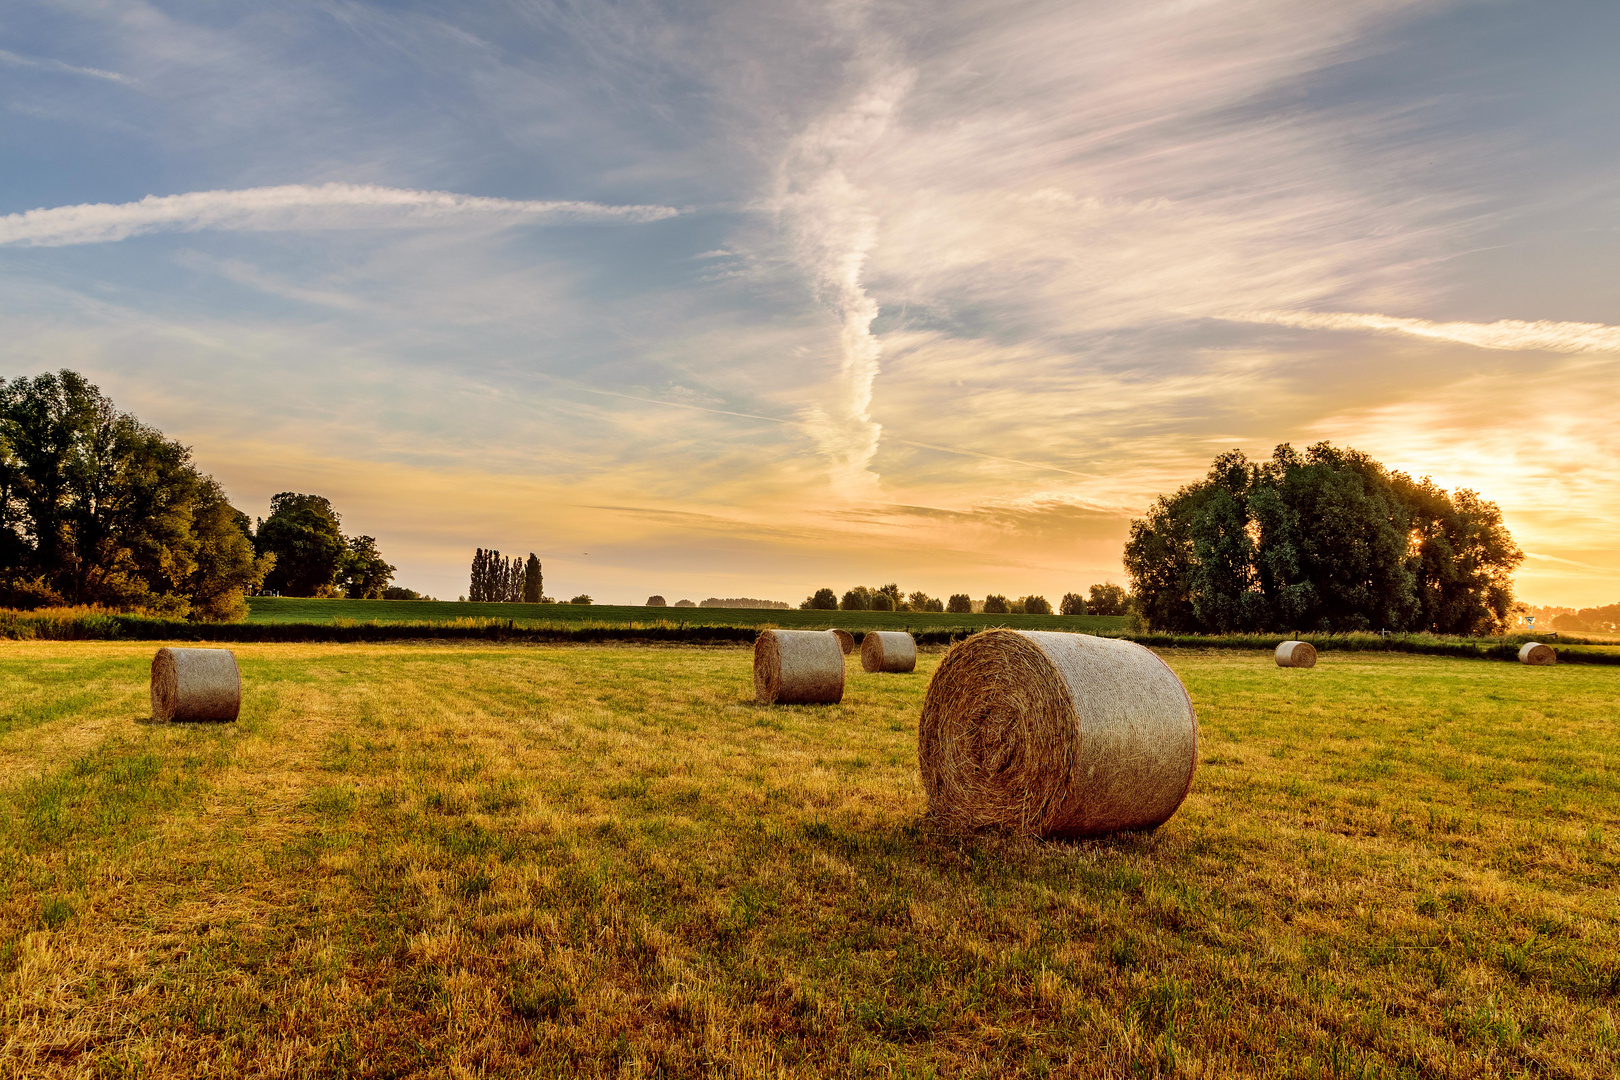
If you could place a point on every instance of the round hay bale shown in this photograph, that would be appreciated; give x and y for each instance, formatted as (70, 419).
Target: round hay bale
(1534, 652)
(798, 667)
(846, 640)
(1055, 735)
(888, 650)
(195, 684)
(1296, 654)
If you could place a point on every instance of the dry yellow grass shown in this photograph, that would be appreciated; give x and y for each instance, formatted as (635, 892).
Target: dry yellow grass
(432, 860)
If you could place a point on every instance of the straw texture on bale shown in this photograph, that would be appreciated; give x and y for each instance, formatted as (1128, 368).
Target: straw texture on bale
(1296, 654)
(1055, 735)
(1534, 652)
(846, 640)
(888, 650)
(195, 684)
(798, 667)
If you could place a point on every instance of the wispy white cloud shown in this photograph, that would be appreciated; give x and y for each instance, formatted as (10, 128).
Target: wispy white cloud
(1016, 220)
(834, 229)
(298, 206)
(1609, 572)
(42, 63)
(1505, 334)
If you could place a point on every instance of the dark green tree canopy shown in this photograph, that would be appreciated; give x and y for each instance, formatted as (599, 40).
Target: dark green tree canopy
(498, 579)
(305, 535)
(363, 574)
(1106, 599)
(534, 581)
(1326, 541)
(98, 508)
(821, 600)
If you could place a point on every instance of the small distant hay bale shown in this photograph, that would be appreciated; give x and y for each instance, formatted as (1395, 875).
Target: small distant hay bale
(888, 650)
(846, 640)
(1055, 734)
(195, 684)
(1296, 654)
(1537, 654)
(798, 667)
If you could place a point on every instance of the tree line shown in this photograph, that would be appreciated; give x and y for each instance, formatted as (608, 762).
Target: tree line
(501, 580)
(1603, 620)
(1106, 599)
(99, 508)
(1328, 540)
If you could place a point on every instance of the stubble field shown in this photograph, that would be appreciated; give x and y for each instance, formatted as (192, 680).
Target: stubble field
(430, 859)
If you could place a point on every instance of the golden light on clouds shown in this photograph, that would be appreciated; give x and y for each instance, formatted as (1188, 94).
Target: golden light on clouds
(802, 295)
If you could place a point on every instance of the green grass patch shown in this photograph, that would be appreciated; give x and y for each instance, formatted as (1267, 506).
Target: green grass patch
(278, 609)
(444, 858)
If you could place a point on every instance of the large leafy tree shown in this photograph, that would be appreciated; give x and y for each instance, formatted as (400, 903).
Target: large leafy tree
(305, 534)
(363, 573)
(227, 566)
(1325, 540)
(1106, 599)
(1344, 531)
(97, 508)
(1464, 558)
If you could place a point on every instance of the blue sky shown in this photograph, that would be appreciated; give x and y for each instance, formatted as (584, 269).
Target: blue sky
(745, 299)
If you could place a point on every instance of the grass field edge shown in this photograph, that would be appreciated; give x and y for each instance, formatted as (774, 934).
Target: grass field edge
(101, 626)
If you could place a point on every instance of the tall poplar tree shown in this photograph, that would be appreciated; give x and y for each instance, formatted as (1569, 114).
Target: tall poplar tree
(533, 583)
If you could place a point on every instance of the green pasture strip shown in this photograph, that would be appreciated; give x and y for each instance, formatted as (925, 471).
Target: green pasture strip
(77, 626)
(276, 609)
(460, 858)
(1578, 651)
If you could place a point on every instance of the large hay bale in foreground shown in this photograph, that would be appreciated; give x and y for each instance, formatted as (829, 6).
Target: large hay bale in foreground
(798, 667)
(1055, 735)
(195, 684)
(1296, 654)
(1534, 652)
(846, 640)
(888, 650)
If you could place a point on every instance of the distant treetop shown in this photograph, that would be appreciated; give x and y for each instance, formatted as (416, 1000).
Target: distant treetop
(743, 602)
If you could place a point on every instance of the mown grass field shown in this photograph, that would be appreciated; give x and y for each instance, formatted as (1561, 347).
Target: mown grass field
(281, 609)
(450, 860)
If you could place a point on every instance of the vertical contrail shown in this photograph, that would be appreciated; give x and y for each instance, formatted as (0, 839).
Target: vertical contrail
(834, 230)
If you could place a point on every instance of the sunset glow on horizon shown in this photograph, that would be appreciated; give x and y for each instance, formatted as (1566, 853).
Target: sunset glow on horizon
(750, 299)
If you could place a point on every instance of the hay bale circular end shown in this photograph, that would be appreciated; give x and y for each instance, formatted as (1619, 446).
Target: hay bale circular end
(196, 684)
(798, 667)
(1537, 654)
(1296, 654)
(1055, 735)
(846, 640)
(888, 650)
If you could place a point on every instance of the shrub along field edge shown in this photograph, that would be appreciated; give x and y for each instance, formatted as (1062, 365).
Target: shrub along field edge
(91, 625)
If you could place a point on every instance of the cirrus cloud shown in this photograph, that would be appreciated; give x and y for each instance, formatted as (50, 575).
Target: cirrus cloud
(299, 206)
(1506, 334)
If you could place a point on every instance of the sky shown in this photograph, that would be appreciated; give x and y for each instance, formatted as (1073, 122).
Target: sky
(747, 299)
